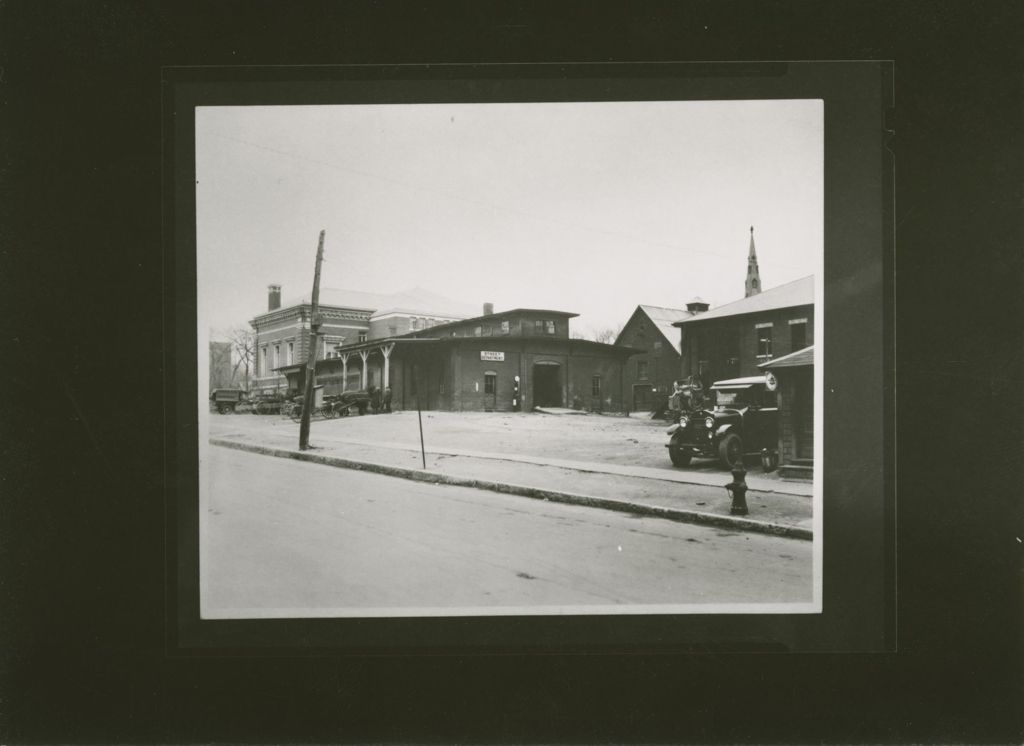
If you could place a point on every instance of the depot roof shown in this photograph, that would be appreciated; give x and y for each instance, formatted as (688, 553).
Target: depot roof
(796, 293)
(796, 359)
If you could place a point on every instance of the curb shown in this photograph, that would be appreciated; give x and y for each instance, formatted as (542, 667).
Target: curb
(672, 514)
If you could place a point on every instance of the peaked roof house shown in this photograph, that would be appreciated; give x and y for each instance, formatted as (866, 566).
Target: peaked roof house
(651, 372)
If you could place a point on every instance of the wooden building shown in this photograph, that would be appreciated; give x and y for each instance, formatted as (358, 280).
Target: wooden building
(795, 376)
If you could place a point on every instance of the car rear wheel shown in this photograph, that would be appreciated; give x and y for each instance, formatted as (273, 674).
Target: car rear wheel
(224, 409)
(679, 458)
(730, 450)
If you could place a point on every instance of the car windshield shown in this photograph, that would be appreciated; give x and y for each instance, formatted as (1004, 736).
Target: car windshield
(728, 398)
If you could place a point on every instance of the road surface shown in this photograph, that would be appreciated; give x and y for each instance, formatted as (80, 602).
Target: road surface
(291, 539)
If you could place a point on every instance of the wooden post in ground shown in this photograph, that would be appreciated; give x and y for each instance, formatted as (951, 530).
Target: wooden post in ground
(419, 411)
(314, 327)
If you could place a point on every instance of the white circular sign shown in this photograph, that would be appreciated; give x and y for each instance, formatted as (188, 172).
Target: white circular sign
(770, 381)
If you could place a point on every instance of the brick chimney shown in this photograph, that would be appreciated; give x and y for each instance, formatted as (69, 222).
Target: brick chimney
(273, 297)
(488, 309)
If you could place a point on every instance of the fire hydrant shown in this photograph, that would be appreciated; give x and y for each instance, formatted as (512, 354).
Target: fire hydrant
(737, 490)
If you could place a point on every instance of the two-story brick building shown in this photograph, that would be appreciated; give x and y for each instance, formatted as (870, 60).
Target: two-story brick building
(651, 371)
(282, 334)
(734, 339)
(502, 362)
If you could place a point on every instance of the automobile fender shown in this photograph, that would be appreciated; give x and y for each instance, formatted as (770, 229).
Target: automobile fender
(673, 429)
(724, 430)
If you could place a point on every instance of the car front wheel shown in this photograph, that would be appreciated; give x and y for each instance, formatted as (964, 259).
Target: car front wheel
(730, 450)
(679, 458)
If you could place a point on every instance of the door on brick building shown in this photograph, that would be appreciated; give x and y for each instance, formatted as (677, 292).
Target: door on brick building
(490, 391)
(547, 385)
(643, 397)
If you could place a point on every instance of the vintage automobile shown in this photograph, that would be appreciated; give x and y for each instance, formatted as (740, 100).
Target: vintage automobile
(743, 420)
(332, 405)
(267, 402)
(226, 401)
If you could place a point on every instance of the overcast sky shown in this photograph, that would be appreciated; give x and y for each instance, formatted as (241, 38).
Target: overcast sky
(592, 208)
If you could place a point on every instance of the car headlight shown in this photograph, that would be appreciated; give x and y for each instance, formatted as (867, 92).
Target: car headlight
(682, 422)
(709, 422)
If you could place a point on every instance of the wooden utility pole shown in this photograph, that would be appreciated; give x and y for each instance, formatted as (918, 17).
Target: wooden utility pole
(314, 326)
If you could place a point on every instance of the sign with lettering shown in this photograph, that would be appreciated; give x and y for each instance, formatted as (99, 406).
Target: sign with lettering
(496, 356)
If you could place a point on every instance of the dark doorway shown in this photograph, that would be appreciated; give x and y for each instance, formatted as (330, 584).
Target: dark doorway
(803, 413)
(643, 397)
(490, 391)
(547, 388)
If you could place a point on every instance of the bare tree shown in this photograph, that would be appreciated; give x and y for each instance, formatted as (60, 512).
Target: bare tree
(608, 334)
(221, 375)
(243, 350)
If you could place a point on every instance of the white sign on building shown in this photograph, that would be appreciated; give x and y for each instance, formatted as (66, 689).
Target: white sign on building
(496, 356)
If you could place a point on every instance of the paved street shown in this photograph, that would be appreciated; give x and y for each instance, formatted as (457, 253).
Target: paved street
(285, 538)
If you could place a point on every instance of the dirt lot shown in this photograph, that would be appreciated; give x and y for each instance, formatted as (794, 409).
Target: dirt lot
(636, 440)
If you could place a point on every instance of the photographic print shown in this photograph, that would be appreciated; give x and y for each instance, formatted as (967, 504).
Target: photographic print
(487, 359)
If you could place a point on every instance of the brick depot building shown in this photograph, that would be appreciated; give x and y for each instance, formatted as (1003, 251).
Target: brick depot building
(473, 365)
(733, 340)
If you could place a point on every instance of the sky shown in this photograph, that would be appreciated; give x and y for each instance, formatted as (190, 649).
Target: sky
(592, 208)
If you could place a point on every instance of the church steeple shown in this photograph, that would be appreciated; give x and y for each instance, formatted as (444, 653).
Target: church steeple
(753, 286)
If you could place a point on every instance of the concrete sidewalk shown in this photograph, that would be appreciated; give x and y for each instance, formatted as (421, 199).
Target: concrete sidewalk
(676, 495)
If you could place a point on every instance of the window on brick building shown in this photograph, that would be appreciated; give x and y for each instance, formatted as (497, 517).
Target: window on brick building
(595, 386)
(764, 341)
(549, 327)
(797, 334)
(490, 383)
(487, 330)
(538, 327)
(478, 331)
(291, 354)
(641, 370)
(362, 336)
(414, 324)
(504, 327)
(263, 361)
